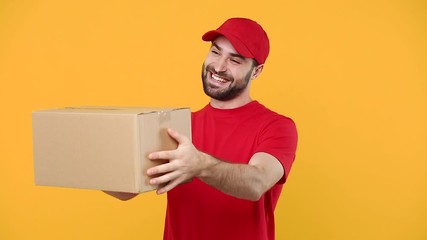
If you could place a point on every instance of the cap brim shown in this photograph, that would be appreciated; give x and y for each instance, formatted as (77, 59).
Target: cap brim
(237, 44)
(211, 35)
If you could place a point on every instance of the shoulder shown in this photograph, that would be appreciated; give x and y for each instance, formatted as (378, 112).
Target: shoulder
(273, 118)
(200, 112)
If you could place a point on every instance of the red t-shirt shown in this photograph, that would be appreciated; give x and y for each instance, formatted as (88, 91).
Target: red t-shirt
(197, 211)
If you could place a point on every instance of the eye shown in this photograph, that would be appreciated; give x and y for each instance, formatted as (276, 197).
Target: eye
(236, 61)
(215, 52)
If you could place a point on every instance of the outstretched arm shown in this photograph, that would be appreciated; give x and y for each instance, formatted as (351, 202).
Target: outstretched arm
(246, 181)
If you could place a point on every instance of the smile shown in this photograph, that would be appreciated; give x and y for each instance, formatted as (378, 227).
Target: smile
(218, 78)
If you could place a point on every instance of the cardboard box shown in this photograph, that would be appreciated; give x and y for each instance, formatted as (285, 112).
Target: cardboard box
(102, 148)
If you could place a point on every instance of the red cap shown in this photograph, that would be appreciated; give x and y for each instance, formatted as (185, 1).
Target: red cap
(247, 37)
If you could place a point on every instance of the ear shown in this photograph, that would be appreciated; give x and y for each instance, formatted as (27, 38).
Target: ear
(257, 71)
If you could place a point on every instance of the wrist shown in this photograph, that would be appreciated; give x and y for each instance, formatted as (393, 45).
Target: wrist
(207, 164)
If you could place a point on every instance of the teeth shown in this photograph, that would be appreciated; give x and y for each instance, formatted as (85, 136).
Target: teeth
(217, 78)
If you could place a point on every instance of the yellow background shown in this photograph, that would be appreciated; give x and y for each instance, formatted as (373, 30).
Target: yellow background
(352, 74)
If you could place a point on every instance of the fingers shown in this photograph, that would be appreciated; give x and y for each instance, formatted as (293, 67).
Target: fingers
(170, 185)
(169, 154)
(162, 155)
(167, 181)
(163, 173)
(170, 176)
(164, 178)
(160, 169)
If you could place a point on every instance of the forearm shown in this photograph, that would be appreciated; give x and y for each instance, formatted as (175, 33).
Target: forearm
(238, 180)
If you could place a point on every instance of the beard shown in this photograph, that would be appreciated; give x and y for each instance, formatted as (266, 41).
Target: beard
(236, 87)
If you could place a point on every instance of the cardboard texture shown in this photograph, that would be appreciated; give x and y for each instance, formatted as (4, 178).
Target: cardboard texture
(103, 148)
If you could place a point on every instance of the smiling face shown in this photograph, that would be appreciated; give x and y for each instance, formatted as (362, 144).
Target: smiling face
(226, 74)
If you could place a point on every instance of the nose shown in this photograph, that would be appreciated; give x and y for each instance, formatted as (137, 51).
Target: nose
(221, 64)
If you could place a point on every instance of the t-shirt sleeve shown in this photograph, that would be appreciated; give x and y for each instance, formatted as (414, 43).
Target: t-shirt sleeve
(279, 138)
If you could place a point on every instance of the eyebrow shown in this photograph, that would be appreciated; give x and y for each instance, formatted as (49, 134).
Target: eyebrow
(232, 54)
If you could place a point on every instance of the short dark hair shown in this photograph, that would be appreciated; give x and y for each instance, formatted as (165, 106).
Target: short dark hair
(254, 62)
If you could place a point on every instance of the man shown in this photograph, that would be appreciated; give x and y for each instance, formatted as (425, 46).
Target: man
(226, 183)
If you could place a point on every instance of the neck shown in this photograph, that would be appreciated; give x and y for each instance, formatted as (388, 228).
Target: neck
(230, 104)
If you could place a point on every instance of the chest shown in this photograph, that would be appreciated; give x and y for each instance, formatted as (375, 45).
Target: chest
(227, 139)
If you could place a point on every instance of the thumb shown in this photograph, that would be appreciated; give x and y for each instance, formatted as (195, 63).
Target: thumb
(177, 136)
